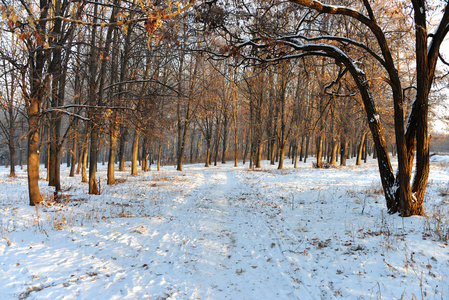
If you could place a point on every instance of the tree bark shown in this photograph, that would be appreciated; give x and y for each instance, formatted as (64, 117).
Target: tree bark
(112, 153)
(33, 154)
(38, 59)
(93, 158)
(360, 150)
(217, 139)
(74, 151)
(84, 155)
(343, 151)
(12, 157)
(159, 156)
(208, 145)
(306, 154)
(225, 135)
(135, 149)
(319, 150)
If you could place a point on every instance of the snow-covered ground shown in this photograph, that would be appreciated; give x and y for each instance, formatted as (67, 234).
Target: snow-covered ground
(224, 233)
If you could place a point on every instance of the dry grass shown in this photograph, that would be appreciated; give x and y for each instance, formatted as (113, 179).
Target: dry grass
(375, 190)
(444, 192)
(436, 224)
(121, 180)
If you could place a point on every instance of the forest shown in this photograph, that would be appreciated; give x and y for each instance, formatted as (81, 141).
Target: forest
(240, 149)
(212, 81)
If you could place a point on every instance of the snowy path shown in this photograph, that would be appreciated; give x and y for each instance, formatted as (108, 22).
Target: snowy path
(227, 240)
(223, 233)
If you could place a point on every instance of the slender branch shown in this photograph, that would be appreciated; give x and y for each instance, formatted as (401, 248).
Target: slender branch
(369, 10)
(64, 107)
(342, 40)
(144, 81)
(370, 23)
(438, 37)
(341, 73)
(54, 109)
(335, 10)
(156, 17)
(443, 60)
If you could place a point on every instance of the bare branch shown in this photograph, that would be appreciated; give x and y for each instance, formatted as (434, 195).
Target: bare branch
(156, 17)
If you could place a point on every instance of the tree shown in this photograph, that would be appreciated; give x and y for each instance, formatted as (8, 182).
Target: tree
(374, 37)
(10, 107)
(34, 30)
(185, 101)
(402, 196)
(41, 37)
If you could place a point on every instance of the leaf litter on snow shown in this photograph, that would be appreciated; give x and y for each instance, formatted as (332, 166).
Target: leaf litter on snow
(224, 233)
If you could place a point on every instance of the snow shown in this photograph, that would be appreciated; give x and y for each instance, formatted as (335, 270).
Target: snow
(376, 118)
(223, 233)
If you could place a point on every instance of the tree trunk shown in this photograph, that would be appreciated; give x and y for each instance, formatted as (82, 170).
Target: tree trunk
(93, 158)
(236, 142)
(343, 151)
(334, 151)
(122, 149)
(183, 125)
(306, 154)
(225, 138)
(281, 156)
(159, 156)
(84, 156)
(246, 148)
(364, 149)
(295, 163)
(145, 155)
(93, 101)
(283, 134)
(58, 73)
(135, 150)
(12, 157)
(360, 150)
(319, 150)
(199, 147)
(208, 145)
(192, 143)
(217, 140)
(74, 150)
(33, 111)
(35, 196)
(80, 158)
(112, 153)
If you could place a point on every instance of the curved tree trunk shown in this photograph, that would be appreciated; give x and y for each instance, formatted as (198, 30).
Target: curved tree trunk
(400, 195)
